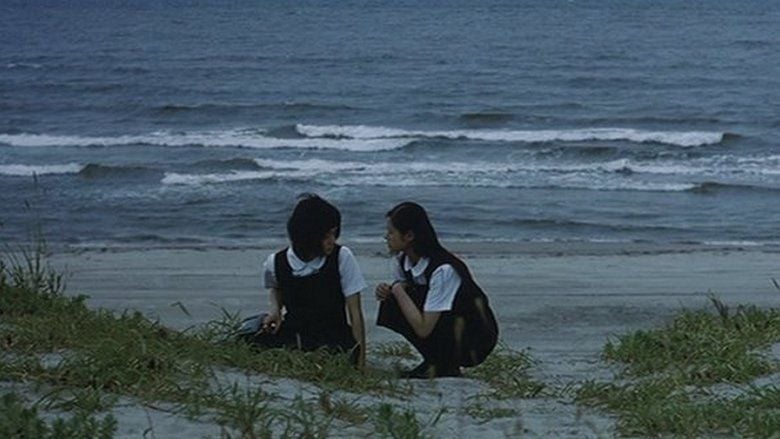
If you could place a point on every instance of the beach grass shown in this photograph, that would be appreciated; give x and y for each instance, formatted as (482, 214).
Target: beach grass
(506, 371)
(667, 385)
(393, 422)
(483, 408)
(702, 347)
(18, 420)
(83, 360)
(395, 349)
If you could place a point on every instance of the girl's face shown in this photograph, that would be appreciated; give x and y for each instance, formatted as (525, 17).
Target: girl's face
(397, 241)
(329, 242)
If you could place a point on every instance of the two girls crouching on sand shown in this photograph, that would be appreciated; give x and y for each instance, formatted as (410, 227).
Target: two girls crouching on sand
(433, 301)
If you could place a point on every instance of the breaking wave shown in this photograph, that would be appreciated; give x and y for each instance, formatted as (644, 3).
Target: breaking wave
(232, 138)
(29, 170)
(675, 138)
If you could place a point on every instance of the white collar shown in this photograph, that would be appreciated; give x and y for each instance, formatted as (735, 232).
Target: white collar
(419, 268)
(298, 265)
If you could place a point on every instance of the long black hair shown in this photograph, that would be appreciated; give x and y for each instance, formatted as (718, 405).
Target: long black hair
(310, 222)
(411, 217)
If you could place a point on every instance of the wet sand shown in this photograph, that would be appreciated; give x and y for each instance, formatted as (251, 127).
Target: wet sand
(562, 302)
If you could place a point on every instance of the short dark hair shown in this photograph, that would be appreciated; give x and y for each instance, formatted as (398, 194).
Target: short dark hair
(310, 222)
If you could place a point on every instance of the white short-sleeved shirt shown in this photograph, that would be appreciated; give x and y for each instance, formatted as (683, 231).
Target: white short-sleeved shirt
(352, 281)
(445, 282)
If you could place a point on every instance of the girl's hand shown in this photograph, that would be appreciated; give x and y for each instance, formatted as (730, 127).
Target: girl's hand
(382, 291)
(397, 288)
(272, 322)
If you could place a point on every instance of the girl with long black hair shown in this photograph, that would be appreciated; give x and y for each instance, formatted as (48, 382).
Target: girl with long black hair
(434, 301)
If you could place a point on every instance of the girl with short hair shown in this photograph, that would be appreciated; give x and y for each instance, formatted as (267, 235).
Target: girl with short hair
(314, 287)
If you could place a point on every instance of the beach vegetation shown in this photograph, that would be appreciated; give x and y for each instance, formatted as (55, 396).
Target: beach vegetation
(669, 384)
(18, 420)
(82, 360)
(343, 409)
(661, 407)
(483, 408)
(396, 349)
(702, 347)
(247, 412)
(506, 371)
(392, 422)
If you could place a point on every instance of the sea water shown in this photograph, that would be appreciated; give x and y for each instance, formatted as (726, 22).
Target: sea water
(176, 123)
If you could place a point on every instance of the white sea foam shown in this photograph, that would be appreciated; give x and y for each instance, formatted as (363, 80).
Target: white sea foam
(768, 159)
(200, 179)
(358, 138)
(767, 165)
(599, 175)
(23, 65)
(317, 166)
(642, 186)
(681, 138)
(738, 243)
(474, 174)
(28, 170)
(231, 138)
(701, 167)
(711, 166)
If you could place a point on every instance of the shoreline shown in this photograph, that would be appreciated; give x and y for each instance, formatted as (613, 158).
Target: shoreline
(482, 248)
(520, 285)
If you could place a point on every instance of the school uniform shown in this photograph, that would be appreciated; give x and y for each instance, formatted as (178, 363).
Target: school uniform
(466, 331)
(313, 294)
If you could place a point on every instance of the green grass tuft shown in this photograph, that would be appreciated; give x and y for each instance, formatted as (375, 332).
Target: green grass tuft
(672, 368)
(506, 371)
(402, 424)
(483, 409)
(398, 349)
(702, 347)
(84, 359)
(18, 421)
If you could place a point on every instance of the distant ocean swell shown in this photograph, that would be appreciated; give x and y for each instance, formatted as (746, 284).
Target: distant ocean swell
(701, 175)
(217, 108)
(367, 138)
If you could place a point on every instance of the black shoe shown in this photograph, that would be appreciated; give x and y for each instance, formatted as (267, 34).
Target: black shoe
(422, 371)
(426, 370)
(448, 372)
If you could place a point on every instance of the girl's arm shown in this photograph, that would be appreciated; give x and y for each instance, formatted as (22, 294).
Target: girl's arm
(384, 290)
(421, 322)
(355, 314)
(273, 320)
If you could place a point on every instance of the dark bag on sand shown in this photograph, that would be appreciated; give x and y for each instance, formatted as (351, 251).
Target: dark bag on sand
(250, 327)
(251, 331)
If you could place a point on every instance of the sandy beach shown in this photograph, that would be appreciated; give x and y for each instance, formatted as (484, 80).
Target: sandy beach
(601, 166)
(560, 302)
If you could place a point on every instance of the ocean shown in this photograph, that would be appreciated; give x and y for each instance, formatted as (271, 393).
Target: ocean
(197, 123)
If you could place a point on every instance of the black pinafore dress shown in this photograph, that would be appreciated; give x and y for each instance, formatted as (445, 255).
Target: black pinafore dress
(463, 336)
(315, 305)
